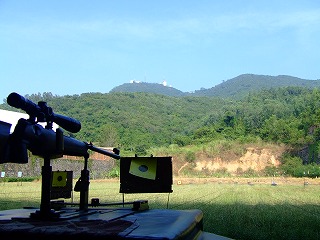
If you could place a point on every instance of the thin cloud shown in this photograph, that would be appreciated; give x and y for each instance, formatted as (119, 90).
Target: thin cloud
(170, 29)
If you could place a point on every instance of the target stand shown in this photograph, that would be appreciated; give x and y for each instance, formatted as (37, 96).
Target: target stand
(61, 184)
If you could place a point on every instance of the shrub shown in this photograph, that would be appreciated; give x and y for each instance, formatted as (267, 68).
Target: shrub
(114, 173)
(22, 179)
(190, 156)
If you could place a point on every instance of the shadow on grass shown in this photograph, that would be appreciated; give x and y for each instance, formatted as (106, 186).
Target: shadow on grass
(261, 221)
(5, 204)
(241, 221)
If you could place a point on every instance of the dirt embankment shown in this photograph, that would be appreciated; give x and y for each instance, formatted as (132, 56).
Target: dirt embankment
(253, 158)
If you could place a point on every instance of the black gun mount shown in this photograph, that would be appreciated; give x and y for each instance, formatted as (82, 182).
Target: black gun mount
(48, 144)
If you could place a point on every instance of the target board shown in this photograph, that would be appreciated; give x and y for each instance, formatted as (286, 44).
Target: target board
(61, 184)
(145, 174)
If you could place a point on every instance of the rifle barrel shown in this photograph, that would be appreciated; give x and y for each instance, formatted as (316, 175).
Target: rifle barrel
(104, 152)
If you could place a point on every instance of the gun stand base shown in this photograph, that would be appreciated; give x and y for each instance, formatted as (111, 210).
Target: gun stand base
(45, 212)
(51, 215)
(82, 186)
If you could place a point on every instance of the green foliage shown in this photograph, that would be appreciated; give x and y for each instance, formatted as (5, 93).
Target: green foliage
(141, 150)
(148, 87)
(289, 130)
(114, 172)
(182, 140)
(190, 156)
(249, 173)
(271, 171)
(313, 153)
(290, 164)
(137, 122)
(108, 136)
(129, 120)
(21, 179)
(311, 171)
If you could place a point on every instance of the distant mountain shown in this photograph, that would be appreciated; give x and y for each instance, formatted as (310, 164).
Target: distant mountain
(149, 88)
(235, 88)
(243, 84)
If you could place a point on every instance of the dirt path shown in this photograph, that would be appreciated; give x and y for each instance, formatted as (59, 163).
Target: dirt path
(257, 180)
(233, 180)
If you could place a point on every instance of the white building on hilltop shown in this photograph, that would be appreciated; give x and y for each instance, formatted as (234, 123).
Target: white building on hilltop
(134, 81)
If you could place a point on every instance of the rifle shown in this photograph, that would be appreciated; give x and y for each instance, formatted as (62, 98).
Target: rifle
(46, 143)
(43, 142)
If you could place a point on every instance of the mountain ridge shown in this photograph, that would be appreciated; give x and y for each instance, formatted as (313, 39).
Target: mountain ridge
(235, 87)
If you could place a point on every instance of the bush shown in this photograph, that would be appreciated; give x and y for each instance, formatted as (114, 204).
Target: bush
(250, 173)
(22, 179)
(271, 171)
(114, 173)
(190, 156)
(291, 165)
(141, 150)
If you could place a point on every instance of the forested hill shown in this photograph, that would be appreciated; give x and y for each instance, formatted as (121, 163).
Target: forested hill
(243, 84)
(148, 88)
(236, 87)
(139, 121)
(131, 120)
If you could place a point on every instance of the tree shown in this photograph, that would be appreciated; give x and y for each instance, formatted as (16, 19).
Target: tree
(108, 136)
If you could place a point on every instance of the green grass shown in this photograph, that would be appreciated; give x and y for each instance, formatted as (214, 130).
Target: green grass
(238, 211)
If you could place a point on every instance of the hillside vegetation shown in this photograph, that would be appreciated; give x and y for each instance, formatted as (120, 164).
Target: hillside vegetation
(196, 128)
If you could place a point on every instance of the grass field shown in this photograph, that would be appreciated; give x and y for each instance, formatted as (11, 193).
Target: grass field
(239, 210)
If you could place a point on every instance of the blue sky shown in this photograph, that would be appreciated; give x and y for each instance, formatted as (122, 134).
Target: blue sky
(73, 47)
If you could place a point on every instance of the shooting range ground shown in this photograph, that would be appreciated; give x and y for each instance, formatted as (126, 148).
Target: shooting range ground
(235, 209)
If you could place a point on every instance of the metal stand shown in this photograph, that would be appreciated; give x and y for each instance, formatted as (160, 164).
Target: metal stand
(45, 212)
(84, 189)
